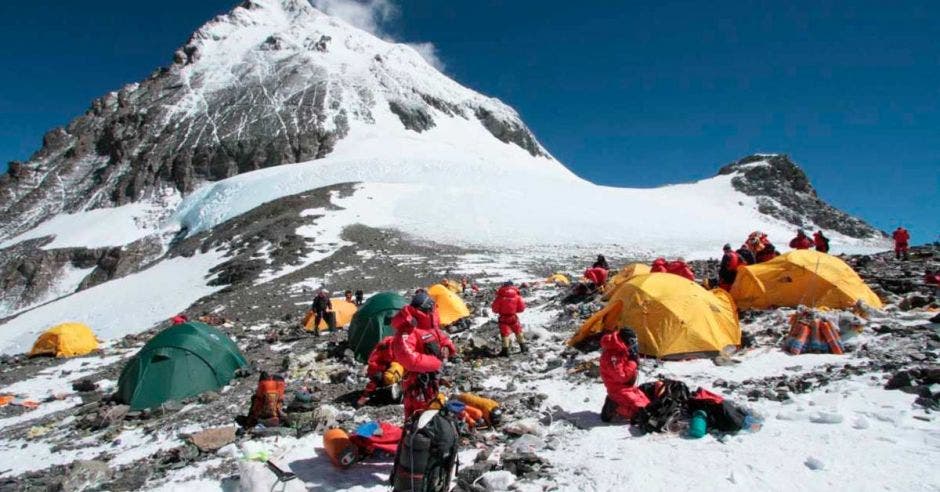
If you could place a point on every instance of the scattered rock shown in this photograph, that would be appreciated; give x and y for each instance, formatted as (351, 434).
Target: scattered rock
(83, 473)
(814, 464)
(84, 386)
(497, 480)
(211, 440)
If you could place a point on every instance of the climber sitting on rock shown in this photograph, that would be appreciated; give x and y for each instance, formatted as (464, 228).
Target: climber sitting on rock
(508, 304)
(382, 372)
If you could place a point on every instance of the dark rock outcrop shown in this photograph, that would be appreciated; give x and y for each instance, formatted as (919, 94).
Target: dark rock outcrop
(509, 131)
(30, 274)
(783, 191)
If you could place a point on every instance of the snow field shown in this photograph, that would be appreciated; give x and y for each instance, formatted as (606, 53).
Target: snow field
(119, 307)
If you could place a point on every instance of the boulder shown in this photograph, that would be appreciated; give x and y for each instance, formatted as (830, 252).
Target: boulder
(211, 440)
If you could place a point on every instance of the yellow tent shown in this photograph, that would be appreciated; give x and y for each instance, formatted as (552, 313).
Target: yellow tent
(625, 273)
(450, 306)
(344, 312)
(604, 320)
(454, 286)
(801, 277)
(674, 316)
(65, 340)
(558, 279)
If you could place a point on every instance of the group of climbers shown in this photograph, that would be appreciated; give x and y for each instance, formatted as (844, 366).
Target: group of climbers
(802, 241)
(675, 267)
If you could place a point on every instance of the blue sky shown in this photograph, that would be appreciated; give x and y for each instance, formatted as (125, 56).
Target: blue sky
(626, 94)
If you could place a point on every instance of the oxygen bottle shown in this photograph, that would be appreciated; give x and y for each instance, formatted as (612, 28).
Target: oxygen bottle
(698, 426)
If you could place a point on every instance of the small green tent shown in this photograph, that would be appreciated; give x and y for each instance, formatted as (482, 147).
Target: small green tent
(181, 361)
(371, 323)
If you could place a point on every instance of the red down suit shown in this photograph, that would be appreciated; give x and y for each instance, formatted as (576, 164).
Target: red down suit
(414, 330)
(618, 372)
(508, 304)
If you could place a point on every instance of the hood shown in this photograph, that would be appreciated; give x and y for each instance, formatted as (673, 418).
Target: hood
(508, 291)
(611, 343)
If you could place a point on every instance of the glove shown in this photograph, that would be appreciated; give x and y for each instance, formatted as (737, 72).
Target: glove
(434, 349)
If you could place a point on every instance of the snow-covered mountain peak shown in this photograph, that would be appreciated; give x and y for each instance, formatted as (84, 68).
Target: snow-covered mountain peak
(272, 82)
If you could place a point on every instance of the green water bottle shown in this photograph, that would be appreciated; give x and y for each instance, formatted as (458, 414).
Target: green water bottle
(698, 426)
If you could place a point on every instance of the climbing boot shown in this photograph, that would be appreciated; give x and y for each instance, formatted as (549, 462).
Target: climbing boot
(505, 351)
(609, 410)
(520, 339)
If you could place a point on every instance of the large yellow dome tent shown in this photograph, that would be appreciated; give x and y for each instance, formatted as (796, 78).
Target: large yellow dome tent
(802, 277)
(672, 316)
(343, 309)
(450, 307)
(625, 273)
(65, 340)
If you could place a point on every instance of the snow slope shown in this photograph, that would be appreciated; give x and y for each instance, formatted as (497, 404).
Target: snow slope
(478, 191)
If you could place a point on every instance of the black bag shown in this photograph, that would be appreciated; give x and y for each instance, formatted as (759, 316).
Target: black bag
(427, 454)
(668, 402)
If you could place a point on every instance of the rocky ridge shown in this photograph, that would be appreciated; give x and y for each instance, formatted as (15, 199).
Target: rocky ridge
(783, 190)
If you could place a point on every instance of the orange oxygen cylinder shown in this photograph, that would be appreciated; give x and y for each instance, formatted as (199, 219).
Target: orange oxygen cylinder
(473, 414)
(339, 448)
(827, 332)
(490, 408)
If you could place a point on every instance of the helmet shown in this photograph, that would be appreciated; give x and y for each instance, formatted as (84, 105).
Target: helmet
(507, 283)
(421, 300)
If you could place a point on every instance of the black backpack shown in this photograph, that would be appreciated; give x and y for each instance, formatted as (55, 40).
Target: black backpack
(426, 459)
(669, 401)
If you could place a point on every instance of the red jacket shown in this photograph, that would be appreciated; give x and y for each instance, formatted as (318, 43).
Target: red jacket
(933, 279)
(822, 244)
(901, 236)
(381, 357)
(413, 330)
(597, 275)
(508, 302)
(619, 375)
(658, 266)
(681, 269)
(801, 242)
(728, 269)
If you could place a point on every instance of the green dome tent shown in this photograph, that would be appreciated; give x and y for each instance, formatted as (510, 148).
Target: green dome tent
(181, 361)
(371, 323)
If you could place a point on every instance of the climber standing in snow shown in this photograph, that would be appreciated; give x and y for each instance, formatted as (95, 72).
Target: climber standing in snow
(901, 238)
(821, 242)
(728, 270)
(801, 241)
(619, 362)
(421, 347)
(508, 304)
